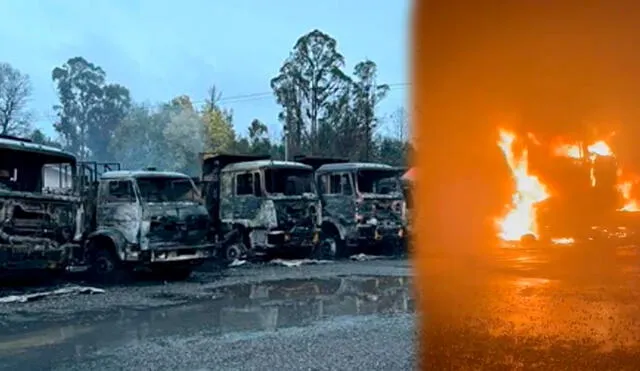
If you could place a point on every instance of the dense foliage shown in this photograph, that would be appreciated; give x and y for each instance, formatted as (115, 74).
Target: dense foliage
(324, 111)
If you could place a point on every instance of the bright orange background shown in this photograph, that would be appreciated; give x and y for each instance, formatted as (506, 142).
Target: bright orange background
(547, 66)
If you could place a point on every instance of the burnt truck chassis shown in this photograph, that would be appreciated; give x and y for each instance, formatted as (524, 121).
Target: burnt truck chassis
(172, 246)
(578, 208)
(56, 232)
(38, 225)
(389, 235)
(33, 232)
(241, 237)
(386, 237)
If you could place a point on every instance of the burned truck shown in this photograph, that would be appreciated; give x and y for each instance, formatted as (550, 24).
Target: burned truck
(363, 207)
(582, 190)
(40, 207)
(260, 206)
(146, 219)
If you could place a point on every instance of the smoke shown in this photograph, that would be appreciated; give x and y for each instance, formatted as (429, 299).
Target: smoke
(184, 134)
(168, 138)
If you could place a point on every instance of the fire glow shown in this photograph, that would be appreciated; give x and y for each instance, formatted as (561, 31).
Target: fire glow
(602, 149)
(520, 219)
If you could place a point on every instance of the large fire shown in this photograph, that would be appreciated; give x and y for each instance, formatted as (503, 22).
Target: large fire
(521, 217)
(630, 204)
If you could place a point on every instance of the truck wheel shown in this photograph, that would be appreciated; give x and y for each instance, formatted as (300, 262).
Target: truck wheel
(326, 249)
(106, 268)
(234, 251)
(331, 246)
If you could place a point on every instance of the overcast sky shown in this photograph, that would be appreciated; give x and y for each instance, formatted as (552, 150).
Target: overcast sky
(160, 49)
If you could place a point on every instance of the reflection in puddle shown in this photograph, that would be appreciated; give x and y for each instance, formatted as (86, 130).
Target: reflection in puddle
(627, 250)
(529, 259)
(239, 308)
(292, 302)
(42, 338)
(531, 282)
(539, 308)
(526, 262)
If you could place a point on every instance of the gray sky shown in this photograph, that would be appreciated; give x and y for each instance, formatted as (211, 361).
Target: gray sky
(160, 49)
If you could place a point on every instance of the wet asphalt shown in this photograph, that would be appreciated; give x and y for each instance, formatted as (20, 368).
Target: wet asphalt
(546, 307)
(339, 315)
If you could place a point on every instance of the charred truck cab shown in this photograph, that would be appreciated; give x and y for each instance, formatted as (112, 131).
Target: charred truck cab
(259, 205)
(407, 191)
(363, 206)
(40, 213)
(147, 219)
(585, 194)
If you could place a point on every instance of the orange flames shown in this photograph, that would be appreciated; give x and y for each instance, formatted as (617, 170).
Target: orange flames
(630, 203)
(521, 218)
(599, 148)
(602, 149)
(568, 150)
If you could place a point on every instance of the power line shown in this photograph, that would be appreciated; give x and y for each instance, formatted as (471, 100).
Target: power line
(240, 98)
(269, 94)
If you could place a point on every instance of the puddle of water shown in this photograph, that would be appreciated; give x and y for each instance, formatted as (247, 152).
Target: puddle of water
(42, 338)
(239, 308)
(627, 250)
(530, 282)
(549, 311)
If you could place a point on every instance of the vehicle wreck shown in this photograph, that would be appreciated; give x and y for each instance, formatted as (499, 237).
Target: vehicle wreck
(258, 205)
(363, 205)
(407, 190)
(40, 221)
(146, 219)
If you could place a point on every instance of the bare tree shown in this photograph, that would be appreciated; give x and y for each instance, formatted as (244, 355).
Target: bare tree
(400, 125)
(15, 89)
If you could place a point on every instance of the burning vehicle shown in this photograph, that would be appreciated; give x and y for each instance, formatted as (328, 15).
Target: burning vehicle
(146, 219)
(258, 205)
(363, 205)
(40, 208)
(564, 189)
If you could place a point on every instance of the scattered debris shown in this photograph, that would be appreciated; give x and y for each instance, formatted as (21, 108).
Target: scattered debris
(298, 262)
(237, 263)
(59, 292)
(364, 257)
